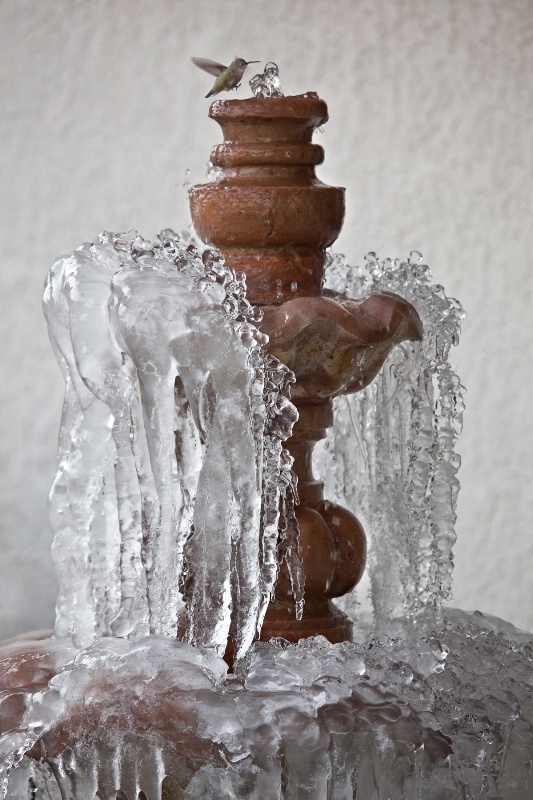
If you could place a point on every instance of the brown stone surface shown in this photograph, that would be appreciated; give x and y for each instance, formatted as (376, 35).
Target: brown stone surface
(268, 213)
(350, 547)
(319, 618)
(337, 346)
(30, 661)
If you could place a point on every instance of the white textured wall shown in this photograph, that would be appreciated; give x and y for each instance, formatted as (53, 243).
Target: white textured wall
(431, 112)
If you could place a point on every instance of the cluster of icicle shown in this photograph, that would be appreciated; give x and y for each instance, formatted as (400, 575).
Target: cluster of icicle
(390, 456)
(171, 471)
(449, 715)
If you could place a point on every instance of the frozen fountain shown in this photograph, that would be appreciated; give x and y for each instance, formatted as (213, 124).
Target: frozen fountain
(232, 403)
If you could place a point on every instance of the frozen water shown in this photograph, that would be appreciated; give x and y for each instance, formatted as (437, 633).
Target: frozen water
(446, 715)
(170, 438)
(390, 456)
(171, 462)
(267, 83)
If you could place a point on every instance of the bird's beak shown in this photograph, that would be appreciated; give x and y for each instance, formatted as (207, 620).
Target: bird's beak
(252, 62)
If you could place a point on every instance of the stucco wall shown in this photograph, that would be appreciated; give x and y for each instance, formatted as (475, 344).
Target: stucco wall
(430, 107)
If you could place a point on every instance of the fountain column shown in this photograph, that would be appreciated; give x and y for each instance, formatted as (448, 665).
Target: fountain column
(272, 218)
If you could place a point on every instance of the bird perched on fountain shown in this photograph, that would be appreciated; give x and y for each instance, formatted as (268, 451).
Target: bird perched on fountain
(226, 77)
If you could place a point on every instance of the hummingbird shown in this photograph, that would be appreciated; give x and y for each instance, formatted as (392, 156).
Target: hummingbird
(227, 77)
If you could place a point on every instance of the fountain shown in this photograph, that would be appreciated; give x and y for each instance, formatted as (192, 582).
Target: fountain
(207, 382)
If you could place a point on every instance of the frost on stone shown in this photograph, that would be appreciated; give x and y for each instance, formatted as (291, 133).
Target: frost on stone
(267, 83)
(390, 456)
(171, 435)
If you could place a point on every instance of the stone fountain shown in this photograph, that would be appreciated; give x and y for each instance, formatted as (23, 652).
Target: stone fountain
(190, 527)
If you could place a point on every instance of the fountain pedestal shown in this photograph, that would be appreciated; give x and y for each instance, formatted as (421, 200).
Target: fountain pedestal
(272, 218)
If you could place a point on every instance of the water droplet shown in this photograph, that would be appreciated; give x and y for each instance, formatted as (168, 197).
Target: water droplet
(213, 172)
(256, 315)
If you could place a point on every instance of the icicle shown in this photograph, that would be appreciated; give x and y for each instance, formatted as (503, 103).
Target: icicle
(390, 456)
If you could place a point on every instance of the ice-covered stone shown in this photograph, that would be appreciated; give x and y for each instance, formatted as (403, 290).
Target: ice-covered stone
(446, 715)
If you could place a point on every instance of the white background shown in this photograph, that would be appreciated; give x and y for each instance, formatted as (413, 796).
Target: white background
(431, 118)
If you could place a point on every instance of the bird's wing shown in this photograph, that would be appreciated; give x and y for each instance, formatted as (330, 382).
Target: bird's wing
(209, 66)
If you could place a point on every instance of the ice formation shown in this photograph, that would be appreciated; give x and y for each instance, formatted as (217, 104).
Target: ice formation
(445, 716)
(390, 456)
(439, 709)
(267, 83)
(170, 457)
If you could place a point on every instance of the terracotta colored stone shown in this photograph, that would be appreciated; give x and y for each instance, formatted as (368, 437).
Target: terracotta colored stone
(268, 213)
(337, 347)
(350, 547)
(27, 663)
(318, 551)
(319, 618)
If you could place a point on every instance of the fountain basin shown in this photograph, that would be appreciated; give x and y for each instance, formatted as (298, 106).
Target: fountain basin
(378, 718)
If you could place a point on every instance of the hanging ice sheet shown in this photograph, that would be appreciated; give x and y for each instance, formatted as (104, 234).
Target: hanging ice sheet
(390, 457)
(170, 461)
